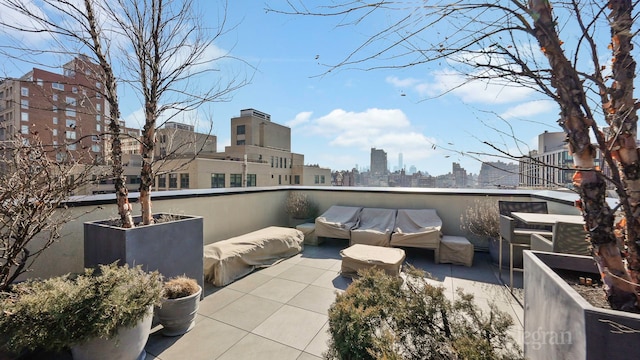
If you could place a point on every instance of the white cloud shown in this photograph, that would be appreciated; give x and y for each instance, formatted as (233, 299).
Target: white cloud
(301, 118)
(401, 83)
(529, 109)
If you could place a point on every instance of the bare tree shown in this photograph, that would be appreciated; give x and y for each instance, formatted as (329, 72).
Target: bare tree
(170, 51)
(554, 50)
(163, 49)
(33, 192)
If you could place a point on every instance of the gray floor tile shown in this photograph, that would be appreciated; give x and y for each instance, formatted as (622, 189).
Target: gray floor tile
(253, 347)
(300, 273)
(292, 326)
(276, 269)
(320, 263)
(249, 282)
(280, 290)
(314, 298)
(208, 340)
(332, 280)
(320, 342)
(218, 300)
(307, 356)
(482, 290)
(247, 312)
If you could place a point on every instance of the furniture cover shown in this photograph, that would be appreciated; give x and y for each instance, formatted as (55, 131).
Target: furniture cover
(417, 228)
(231, 259)
(456, 250)
(375, 227)
(337, 222)
(359, 256)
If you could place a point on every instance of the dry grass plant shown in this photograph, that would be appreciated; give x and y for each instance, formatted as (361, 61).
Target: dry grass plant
(179, 287)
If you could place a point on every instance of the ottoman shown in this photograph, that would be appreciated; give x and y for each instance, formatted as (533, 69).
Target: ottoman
(456, 250)
(309, 231)
(360, 256)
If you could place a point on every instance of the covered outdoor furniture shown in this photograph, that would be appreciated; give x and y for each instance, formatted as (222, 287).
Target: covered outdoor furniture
(419, 228)
(359, 256)
(568, 238)
(309, 231)
(231, 259)
(375, 227)
(337, 222)
(456, 250)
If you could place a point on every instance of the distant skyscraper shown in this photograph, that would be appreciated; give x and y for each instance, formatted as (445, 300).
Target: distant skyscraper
(378, 162)
(400, 164)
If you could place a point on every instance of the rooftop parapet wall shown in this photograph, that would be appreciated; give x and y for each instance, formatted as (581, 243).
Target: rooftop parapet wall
(231, 212)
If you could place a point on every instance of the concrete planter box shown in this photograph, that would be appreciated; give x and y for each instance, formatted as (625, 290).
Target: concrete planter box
(173, 248)
(560, 324)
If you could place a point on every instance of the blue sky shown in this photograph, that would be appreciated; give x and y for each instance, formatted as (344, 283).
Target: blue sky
(337, 117)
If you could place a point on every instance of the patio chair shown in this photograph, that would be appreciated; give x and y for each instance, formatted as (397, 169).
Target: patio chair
(375, 227)
(337, 222)
(420, 228)
(568, 238)
(517, 233)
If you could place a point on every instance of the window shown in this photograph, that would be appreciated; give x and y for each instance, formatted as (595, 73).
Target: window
(40, 82)
(70, 135)
(98, 127)
(217, 180)
(70, 101)
(240, 142)
(240, 130)
(71, 146)
(162, 181)
(173, 181)
(95, 138)
(272, 161)
(24, 104)
(296, 179)
(54, 108)
(98, 107)
(24, 91)
(184, 181)
(321, 179)
(71, 123)
(57, 86)
(74, 90)
(99, 85)
(54, 97)
(280, 162)
(55, 120)
(316, 179)
(24, 116)
(285, 163)
(95, 148)
(70, 112)
(54, 132)
(98, 95)
(98, 118)
(251, 179)
(24, 129)
(235, 180)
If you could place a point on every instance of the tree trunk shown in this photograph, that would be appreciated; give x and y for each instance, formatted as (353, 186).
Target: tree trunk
(589, 180)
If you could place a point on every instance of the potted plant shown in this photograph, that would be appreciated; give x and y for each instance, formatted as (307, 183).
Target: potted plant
(482, 219)
(179, 305)
(103, 313)
(560, 323)
(300, 208)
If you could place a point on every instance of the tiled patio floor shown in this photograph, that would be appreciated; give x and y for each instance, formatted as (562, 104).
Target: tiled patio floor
(281, 312)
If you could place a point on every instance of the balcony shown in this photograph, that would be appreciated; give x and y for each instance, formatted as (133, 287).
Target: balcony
(281, 312)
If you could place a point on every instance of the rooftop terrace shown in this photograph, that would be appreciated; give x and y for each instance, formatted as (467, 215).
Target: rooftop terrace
(280, 312)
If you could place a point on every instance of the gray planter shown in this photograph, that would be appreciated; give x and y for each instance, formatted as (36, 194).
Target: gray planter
(178, 316)
(561, 324)
(173, 248)
(127, 344)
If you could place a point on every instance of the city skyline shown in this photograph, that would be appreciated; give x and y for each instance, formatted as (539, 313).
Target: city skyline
(337, 117)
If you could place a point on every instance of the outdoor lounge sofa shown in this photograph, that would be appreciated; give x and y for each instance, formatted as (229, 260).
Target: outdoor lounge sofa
(419, 228)
(375, 227)
(337, 222)
(231, 259)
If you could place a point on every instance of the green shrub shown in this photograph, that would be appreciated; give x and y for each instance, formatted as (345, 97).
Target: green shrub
(384, 317)
(60, 312)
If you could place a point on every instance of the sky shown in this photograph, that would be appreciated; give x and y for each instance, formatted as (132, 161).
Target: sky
(336, 117)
